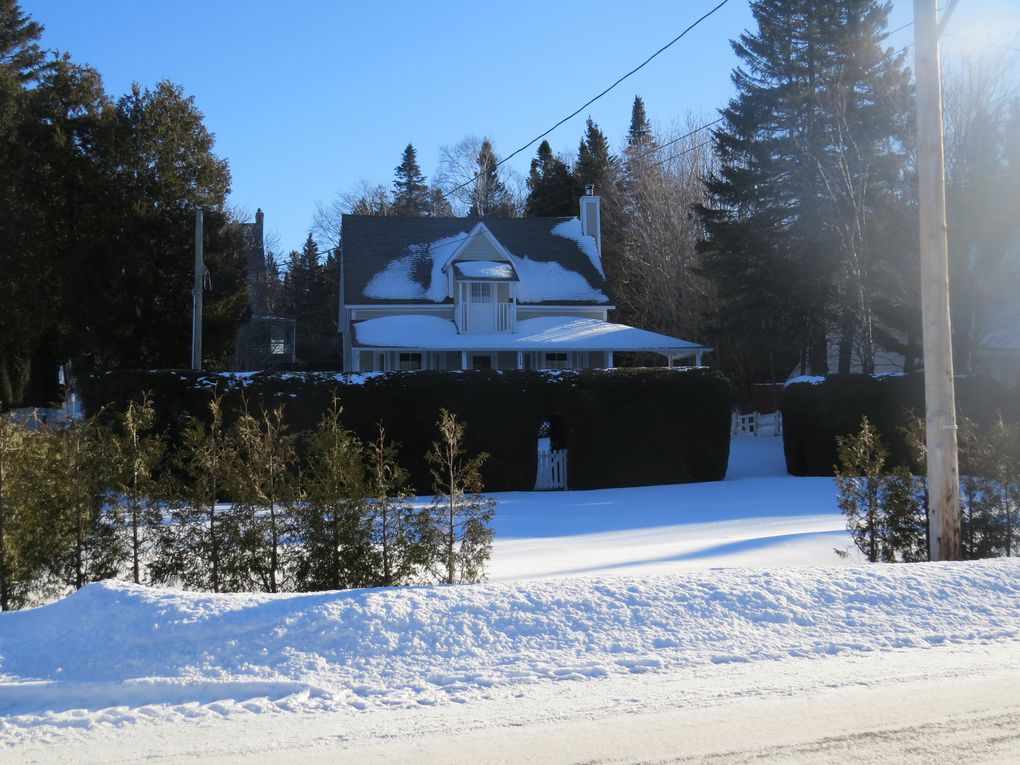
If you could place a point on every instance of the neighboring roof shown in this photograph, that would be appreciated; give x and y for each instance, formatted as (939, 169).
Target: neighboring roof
(549, 333)
(486, 271)
(390, 260)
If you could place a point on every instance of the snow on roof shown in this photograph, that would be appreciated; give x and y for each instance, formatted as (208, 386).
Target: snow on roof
(397, 281)
(544, 333)
(485, 269)
(571, 229)
(401, 260)
(549, 281)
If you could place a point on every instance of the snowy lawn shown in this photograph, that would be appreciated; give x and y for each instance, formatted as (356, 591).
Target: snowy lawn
(758, 516)
(660, 621)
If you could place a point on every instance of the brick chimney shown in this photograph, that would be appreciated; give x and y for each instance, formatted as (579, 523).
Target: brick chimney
(591, 216)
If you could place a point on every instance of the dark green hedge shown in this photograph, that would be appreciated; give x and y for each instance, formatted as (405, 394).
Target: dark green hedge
(623, 427)
(814, 414)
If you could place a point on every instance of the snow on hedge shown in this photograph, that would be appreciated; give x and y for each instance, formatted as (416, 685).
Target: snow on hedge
(120, 645)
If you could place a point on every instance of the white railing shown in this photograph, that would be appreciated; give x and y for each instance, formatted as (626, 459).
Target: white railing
(756, 424)
(552, 470)
(487, 317)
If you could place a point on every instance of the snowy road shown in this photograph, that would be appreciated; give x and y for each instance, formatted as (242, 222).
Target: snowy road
(943, 704)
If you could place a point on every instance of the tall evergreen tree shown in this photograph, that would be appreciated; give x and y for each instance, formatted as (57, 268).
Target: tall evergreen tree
(811, 154)
(410, 192)
(21, 57)
(312, 290)
(490, 196)
(552, 189)
(640, 133)
(596, 165)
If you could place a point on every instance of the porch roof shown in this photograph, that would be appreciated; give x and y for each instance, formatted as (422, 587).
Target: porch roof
(546, 333)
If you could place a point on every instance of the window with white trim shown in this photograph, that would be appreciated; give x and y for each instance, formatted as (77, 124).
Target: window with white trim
(481, 292)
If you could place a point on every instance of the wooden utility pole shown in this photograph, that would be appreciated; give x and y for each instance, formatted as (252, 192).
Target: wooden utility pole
(939, 394)
(196, 296)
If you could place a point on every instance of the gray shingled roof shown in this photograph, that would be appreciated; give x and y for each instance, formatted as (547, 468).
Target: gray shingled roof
(372, 243)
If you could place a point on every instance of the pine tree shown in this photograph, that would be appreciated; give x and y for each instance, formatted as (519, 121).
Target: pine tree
(462, 517)
(811, 153)
(264, 489)
(201, 545)
(397, 528)
(20, 54)
(136, 452)
(27, 520)
(884, 517)
(552, 190)
(639, 136)
(80, 480)
(597, 166)
(336, 550)
(410, 193)
(490, 197)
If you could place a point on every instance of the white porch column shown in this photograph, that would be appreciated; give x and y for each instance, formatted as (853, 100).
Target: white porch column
(463, 360)
(697, 359)
(520, 359)
(609, 359)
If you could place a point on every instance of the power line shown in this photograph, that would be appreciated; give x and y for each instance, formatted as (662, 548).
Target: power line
(639, 67)
(588, 103)
(652, 150)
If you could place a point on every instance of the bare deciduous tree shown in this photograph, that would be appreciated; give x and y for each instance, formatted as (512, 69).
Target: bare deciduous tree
(662, 288)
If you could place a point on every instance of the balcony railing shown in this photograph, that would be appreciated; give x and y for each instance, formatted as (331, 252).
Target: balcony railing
(487, 317)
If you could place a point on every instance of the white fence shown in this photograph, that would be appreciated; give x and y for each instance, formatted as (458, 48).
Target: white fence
(756, 424)
(552, 470)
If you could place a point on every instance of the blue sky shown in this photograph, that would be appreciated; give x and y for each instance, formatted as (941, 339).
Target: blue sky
(306, 98)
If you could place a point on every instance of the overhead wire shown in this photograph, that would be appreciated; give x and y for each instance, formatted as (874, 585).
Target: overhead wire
(652, 150)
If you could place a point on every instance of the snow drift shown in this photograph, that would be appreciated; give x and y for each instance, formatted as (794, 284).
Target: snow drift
(119, 645)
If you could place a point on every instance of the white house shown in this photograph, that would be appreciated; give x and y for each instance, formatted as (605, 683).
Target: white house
(469, 293)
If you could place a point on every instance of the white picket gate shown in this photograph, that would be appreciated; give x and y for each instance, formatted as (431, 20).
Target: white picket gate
(756, 424)
(552, 470)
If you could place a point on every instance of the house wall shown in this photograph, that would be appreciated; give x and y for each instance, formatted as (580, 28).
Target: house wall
(442, 311)
(479, 248)
(384, 360)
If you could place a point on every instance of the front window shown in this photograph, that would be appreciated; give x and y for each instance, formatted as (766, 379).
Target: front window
(409, 361)
(481, 292)
(556, 360)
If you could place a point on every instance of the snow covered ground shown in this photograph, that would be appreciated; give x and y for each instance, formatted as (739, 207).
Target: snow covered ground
(617, 629)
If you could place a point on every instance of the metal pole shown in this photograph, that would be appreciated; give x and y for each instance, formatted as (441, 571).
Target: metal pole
(196, 296)
(939, 395)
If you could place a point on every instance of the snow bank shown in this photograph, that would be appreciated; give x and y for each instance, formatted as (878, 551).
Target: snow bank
(120, 645)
